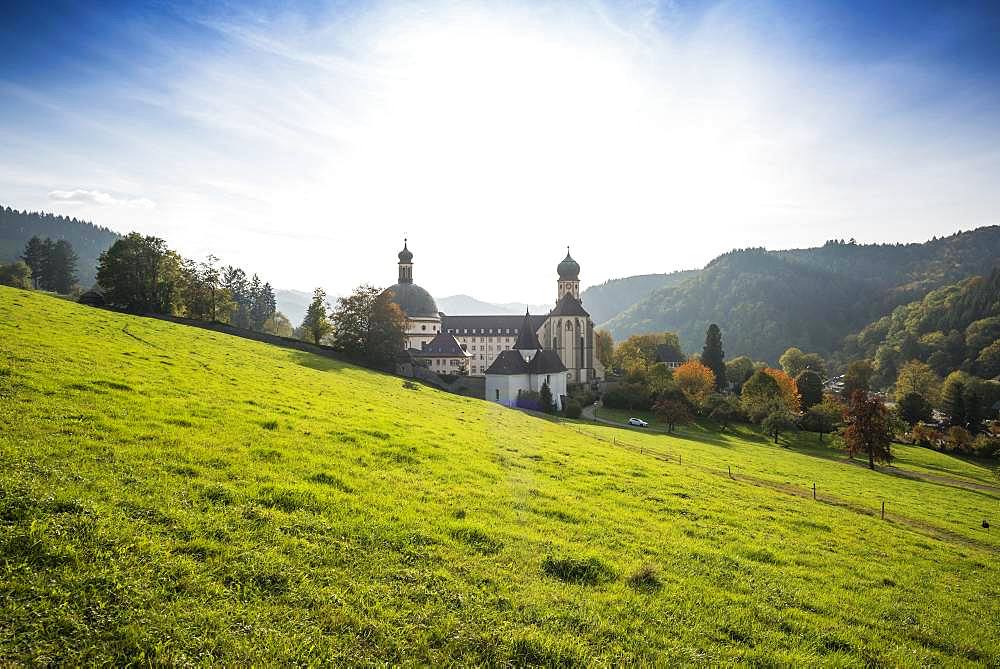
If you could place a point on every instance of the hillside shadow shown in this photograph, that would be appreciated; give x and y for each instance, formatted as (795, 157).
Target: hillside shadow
(318, 362)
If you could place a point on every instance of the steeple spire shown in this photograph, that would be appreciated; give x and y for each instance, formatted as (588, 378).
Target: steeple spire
(527, 340)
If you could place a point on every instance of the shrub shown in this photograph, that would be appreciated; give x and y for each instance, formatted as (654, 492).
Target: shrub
(987, 446)
(958, 440)
(628, 396)
(529, 399)
(572, 409)
(926, 435)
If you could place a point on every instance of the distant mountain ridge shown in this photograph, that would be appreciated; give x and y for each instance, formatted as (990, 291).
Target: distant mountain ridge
(88, 240)
(465, 305)
(610, 298)
(766, 301)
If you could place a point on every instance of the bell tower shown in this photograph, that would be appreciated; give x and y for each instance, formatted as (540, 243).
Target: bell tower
(569, 277)
(405, 265)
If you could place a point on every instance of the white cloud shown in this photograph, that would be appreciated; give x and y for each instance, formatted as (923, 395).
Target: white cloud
(497, 134)
(100, 198)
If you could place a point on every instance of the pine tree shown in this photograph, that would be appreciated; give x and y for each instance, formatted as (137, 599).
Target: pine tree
(545, 397)
(316, 324)
(953, 401)
(34, 258)
(60, 266)
(713, 357)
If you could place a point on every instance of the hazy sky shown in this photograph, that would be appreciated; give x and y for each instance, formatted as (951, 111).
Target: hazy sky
(303, 140)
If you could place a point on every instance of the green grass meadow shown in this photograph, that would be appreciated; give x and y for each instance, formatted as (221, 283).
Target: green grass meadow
(171, 495)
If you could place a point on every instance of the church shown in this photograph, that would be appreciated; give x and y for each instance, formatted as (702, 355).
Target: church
(483, 345)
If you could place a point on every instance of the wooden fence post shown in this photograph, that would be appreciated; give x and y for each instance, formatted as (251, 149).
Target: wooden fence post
(883, 509)
(730, 471)
(814, 490)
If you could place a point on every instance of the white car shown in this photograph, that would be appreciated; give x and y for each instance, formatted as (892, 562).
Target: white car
(637, 422)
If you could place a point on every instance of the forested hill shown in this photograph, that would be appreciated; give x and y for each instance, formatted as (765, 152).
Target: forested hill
(955, 327)
(610, 298)
(766, 301)
(88, 240)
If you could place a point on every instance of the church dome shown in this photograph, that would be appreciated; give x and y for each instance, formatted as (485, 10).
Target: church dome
(413, 300)
(568, 269)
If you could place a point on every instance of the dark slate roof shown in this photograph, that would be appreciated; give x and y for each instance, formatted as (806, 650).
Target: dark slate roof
(569, 306)
(568, 269)
(546, 362)
(511, 362)
(442, 346)
(414, 300)
(666, 353)
(527, 340)
(508, 362)
(483, 324)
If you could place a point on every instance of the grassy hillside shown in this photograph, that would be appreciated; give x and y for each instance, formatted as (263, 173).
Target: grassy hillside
(766, 301)
(175, 495)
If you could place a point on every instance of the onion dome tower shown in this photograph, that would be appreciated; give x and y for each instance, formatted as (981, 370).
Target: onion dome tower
(411, 298)
(569, 277)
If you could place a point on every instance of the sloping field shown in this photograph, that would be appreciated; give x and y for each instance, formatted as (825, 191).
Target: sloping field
(173, 495)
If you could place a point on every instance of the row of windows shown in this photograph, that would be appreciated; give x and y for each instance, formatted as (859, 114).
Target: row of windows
(499, 331)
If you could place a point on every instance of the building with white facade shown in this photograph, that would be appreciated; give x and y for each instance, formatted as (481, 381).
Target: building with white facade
(524, 368)
(566, 331)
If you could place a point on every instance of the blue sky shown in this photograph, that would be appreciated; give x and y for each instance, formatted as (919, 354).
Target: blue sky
(302, 140)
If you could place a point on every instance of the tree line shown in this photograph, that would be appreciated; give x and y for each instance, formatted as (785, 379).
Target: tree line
(44, 264)
(799, 396)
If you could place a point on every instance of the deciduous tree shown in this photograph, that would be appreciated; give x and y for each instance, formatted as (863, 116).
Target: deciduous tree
(777, 422)
(695, 380)
(868, 428)
(810, 387)
(760, 396)
(824, 417)
(858, 377)
(673, 410)
(604, 347)
(914, 408)
(16, 275)
(788, 391)
(918, 377)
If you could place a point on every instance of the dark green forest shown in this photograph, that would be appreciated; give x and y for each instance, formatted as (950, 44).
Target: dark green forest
(766, 301)
(955, 327)
(608, 299)
(88, 240)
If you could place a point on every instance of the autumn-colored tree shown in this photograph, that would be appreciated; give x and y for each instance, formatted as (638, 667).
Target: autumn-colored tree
(868, 428)
(787, 389)
(918, 377)
(695, 380)
(604, 347)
